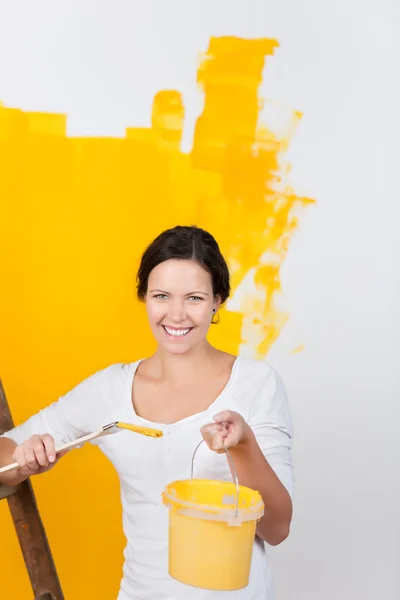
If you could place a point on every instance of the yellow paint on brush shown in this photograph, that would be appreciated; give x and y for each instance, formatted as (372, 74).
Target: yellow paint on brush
(155, 433)
(75, 216)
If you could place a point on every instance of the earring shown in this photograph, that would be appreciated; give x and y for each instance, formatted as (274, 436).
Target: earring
(215, 319)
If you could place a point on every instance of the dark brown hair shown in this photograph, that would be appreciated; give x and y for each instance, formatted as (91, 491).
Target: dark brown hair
(185, 243)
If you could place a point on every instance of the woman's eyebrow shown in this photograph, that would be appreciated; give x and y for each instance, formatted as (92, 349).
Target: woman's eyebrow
(189, 294)
(197, 292)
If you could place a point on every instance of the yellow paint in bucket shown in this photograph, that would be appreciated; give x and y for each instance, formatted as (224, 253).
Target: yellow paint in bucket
(211, 537)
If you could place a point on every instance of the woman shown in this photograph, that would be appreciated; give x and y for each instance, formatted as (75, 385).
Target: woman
(190, 390)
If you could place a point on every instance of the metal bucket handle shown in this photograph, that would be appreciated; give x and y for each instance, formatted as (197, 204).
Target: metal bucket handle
(232, 468)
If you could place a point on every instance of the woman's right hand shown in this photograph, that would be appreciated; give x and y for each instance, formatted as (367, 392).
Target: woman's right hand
(37, 455)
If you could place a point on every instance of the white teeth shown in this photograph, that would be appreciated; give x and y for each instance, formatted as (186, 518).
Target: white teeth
(176, 332)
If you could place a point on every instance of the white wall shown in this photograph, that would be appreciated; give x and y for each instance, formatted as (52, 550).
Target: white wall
(101, 63)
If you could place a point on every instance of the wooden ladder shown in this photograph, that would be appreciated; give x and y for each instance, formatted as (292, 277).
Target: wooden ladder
(29, 527)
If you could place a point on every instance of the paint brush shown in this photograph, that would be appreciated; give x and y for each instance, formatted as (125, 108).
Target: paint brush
(114, 427)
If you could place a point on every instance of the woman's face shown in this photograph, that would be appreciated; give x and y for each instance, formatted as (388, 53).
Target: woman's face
(179, 303)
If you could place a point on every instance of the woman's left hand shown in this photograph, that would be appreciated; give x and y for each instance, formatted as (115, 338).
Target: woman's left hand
(228, 431)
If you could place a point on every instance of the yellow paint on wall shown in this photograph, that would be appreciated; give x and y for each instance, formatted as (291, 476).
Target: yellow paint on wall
(75, 216)
(298, 349)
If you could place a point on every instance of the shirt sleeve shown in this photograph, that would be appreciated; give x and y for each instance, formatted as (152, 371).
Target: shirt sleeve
(270, 419)
(73, 415)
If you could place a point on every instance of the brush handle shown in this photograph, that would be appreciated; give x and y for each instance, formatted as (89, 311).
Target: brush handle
(69, 446)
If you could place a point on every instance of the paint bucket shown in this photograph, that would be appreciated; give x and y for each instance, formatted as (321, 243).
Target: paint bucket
(212, 526)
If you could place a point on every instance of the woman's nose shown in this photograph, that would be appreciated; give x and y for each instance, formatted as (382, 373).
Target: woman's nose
(177, 312)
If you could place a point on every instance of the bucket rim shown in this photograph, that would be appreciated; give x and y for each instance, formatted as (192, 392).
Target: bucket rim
(210, 511)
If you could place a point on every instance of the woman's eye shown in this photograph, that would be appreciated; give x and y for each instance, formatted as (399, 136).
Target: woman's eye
(195, 298)
(160, 296)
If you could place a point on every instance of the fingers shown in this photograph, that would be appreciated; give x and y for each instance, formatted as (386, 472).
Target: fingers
(214, 434)
(35, 454)
(212, 429)
(49, 446)
(227, 431)
(40, 454)
(228, 416)
(20, 458)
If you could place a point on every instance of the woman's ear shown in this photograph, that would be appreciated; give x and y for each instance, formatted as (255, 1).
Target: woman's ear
(217, 302)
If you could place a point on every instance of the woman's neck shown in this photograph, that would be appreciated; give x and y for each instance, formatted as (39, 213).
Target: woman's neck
(180, 368)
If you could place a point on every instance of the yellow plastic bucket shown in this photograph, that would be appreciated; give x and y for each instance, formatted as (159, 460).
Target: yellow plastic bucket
(212, 526)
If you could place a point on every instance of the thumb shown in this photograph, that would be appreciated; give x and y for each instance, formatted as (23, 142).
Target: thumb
(225, 415)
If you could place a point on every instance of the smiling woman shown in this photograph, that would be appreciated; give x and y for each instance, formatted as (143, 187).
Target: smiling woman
(183, 311)
(183, 278)
(192, 391)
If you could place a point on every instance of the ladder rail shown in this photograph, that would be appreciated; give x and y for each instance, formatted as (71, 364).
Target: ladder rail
(29, 526)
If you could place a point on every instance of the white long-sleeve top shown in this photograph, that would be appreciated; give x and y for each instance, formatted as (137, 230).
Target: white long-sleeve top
(145, 466)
